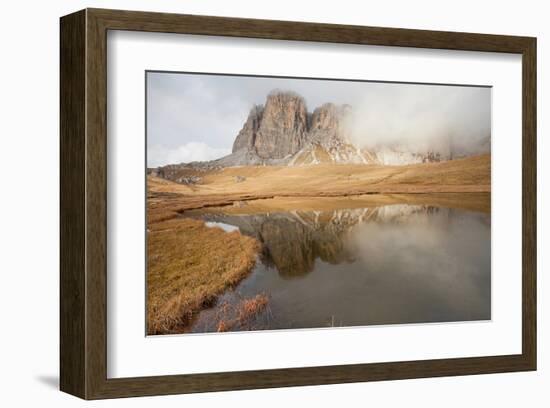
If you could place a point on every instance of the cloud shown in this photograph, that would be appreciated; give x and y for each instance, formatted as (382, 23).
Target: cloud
(420, 117)
(158, 155)
(185, 111)
(184, 108)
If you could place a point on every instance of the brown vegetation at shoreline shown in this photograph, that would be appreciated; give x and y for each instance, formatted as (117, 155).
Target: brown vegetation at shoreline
(240, 315)
(188, 266)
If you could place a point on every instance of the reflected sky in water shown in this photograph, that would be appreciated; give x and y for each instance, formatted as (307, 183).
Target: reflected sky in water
(393, 264)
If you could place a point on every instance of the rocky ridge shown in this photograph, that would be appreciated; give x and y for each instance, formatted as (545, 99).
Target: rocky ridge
(283, 132)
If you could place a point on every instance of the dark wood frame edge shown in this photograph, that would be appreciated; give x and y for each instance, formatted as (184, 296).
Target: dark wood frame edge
(83, 97)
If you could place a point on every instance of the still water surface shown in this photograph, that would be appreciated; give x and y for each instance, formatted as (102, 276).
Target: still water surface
(393, 264)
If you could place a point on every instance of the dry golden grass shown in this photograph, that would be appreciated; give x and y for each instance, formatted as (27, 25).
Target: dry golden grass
(472, 174)
(161, 185)
(188, 266)
(240, 315)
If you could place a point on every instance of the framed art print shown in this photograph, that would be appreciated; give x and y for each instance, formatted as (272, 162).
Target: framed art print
(255, 203)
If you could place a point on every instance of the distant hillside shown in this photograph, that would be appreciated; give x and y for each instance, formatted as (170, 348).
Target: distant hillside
(471, 174)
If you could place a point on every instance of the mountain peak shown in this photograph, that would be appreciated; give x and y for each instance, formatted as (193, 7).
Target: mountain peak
(277, 129)
(282, 94)
(283, 132)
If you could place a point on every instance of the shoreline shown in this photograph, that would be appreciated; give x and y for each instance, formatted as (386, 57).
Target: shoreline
(179, 287)
(198, 283)
(189, 265)
(173, 207)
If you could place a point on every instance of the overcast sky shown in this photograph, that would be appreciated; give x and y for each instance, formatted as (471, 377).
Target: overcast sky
(197, 117)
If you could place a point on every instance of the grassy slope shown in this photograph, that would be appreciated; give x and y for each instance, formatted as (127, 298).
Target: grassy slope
(470, 174)
(166, 199)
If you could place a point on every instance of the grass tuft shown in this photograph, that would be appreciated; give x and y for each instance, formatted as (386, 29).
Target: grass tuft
(241, 315)
(188, 266)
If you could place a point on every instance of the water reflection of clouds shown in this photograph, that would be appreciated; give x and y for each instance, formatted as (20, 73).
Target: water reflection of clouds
(384, 265)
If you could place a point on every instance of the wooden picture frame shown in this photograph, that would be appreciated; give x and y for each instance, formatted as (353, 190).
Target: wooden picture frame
(83, 210)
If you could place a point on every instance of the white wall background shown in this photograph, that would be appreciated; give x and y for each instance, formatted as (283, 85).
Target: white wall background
(29, 83)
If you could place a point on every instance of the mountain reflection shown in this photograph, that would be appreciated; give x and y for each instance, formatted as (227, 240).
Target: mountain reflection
(292, 241)
(392, 264)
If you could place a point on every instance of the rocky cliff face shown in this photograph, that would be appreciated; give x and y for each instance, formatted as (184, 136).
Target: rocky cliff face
(282, 132)
(277, 130)
(328, 138)
(247, 136)
(328, 124)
